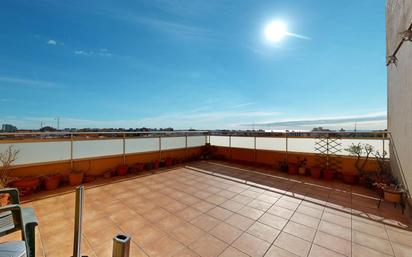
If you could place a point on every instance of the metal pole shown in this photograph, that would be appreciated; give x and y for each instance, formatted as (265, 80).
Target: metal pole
(287, 147)
(71, 151)
(230, 146)
(124, 149)
(160, 148)
(383, 145)
(185, 145)
(78, 222)
(254, 147)
(121, 246)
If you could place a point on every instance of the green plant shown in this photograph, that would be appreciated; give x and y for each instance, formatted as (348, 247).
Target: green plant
(360, 150)
(6, 159)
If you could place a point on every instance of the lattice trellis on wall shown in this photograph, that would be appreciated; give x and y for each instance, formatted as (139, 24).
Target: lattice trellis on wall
(327, 148)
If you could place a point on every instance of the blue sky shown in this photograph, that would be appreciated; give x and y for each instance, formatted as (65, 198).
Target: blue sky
(192, 64)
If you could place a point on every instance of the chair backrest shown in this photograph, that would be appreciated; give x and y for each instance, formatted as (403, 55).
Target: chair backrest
(13, 249)
(6, 222)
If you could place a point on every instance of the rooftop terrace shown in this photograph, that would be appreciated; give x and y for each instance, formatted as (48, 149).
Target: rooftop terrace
(210, 208)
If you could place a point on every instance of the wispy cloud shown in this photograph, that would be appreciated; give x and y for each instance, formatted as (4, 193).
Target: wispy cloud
(365, 120)
(103, 52)
(52, 42)
(298, 36)
(27, 82)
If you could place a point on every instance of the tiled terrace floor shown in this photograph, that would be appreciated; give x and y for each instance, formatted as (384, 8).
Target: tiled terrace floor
(184, 212)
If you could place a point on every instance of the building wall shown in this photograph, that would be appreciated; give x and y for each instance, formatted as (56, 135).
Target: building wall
(398, 19)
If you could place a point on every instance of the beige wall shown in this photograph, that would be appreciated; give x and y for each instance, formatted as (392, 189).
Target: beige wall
(399, 18)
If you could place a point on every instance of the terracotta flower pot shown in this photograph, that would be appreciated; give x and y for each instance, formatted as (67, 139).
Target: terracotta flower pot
(328, 174)
(26, 185)
(156, 164)
(4, 199)
(315, 172)
(168, 162)
(52, 182)
(302, 170)
(76, 178)
(293, 168)
(392, 195)
(350, 178)
(122, 170)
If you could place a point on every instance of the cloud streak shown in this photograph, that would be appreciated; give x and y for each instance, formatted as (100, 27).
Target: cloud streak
(27, 82)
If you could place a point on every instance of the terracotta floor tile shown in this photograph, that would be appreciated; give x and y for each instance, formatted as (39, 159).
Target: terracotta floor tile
(305, 220)
(185, 252)
(251, 245)
(362, 251)
(263, 232)
(333, 243)
(188, 214)
(273, 221)
(260, 205)
(215, 199)
(187, 233)
(275, 251)
(156, 214)
(147, 234)
(232, 252)
(370, 241)
(208, 246)
(337, 219)
(205, 222)
(226, 232)
(232, 205)
(318, 251)
(243, 199)
(293, 244)
(203, 206)
(169, 222)
(399, 236)
(335, 230)
(250, 213)
(162, 247)
(300, 230)
(375, 228)
(132, 225)
(271, 199)
(219, 213)
(239, 221)
(280, 211)
(316, 213)
(227, 194)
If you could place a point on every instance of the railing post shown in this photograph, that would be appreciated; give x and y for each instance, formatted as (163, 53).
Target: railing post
(78, 222)
(186, 146)
(383, 145)
(121, 246)
(254, 149)
(230, 147)
(124, 148)
(287, 147)
(160, 148)
(71, 151)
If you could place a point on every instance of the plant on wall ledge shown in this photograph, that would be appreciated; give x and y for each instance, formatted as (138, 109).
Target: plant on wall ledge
(360, 150)
(6, 159)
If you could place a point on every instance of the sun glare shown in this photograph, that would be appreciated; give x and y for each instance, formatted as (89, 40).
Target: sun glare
(275, 31)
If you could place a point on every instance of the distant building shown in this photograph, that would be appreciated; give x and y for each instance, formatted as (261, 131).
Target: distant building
(8, 128)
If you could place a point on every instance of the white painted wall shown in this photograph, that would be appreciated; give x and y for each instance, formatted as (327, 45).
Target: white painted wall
(399, 18)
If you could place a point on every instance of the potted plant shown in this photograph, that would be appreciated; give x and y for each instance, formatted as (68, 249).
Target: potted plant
(108, 173)
(148, 166)
(26, 185)
(122, 170)
(168, 162)
(76, 177)
(315, 172)
(293, 168)
(52, 181)
(362, 153)
(328, 174)
(302, 166)
(6, 159)
(283, 165)
(156, 164)
(393, 193)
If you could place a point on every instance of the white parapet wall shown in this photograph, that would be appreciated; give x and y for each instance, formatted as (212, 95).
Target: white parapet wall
(398, 20)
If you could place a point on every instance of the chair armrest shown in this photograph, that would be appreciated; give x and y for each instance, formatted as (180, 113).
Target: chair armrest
(14, 194)
(29, 217)
(10, 207)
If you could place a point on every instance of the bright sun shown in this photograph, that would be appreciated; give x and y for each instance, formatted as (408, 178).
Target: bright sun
(276, 31)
